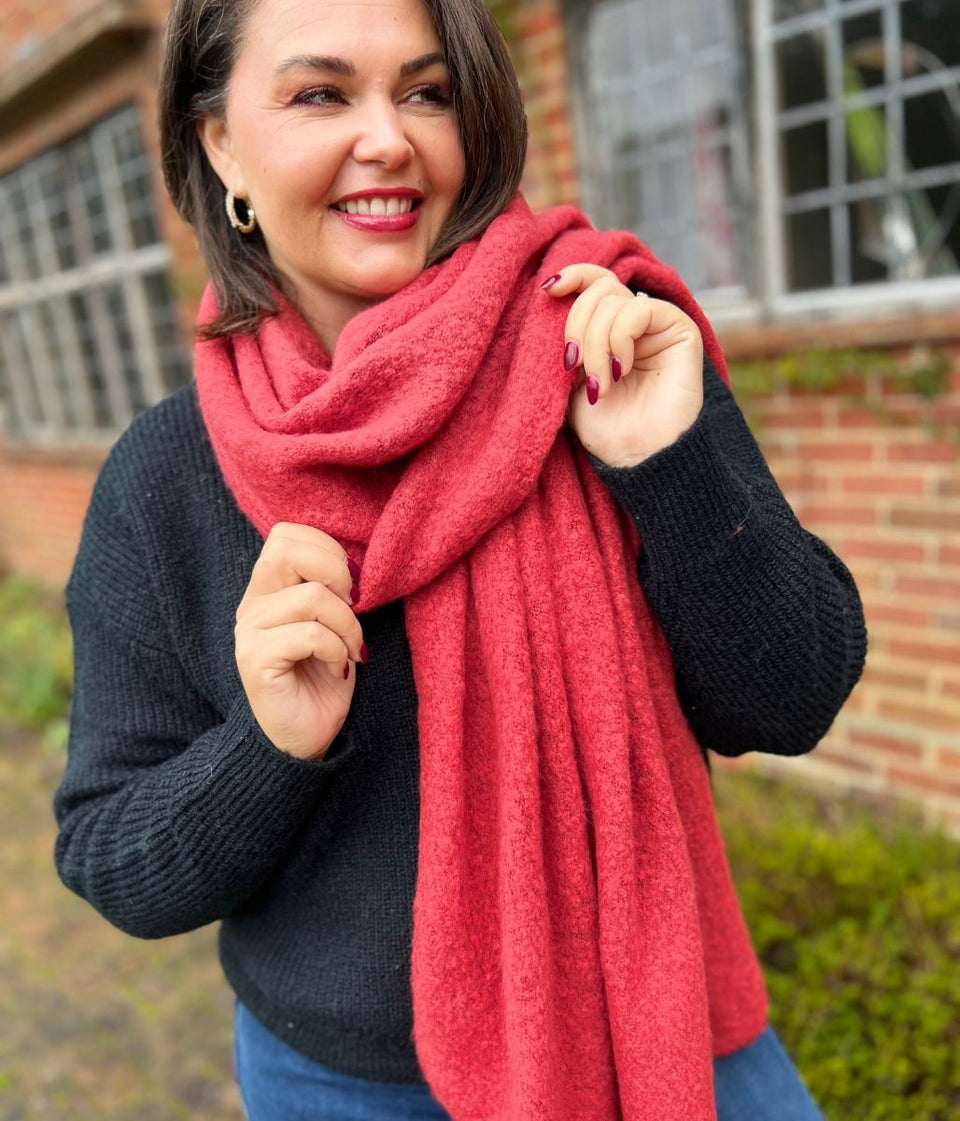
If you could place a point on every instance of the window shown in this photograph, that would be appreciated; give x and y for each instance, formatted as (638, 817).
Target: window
(88, 332)
(845, 175)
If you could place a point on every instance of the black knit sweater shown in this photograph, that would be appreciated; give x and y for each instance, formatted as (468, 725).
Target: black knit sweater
(176, 810)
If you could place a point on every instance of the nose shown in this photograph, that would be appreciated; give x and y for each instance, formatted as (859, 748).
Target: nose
(382, 138)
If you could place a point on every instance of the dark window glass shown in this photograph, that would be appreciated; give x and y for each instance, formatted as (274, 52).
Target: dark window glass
(801, 70)
(809, 263)
(806, 158)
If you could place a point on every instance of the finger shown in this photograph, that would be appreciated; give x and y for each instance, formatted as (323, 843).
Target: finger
(582, 311)
(574, 278)
(646, 327)
(272, 653)
(596, 360)
(294, 553)
(310, 601)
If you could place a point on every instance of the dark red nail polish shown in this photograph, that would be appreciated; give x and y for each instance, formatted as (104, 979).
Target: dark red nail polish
(550, 281)
(355, 593)
(354, 569)
(346, 671)
(571, 355)
(363, 652)
(616, 369)
(593, 390)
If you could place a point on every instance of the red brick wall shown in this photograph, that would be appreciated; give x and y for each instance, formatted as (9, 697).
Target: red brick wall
(875, 472)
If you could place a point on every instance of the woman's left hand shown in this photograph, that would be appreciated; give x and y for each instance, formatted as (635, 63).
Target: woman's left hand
(642, 361)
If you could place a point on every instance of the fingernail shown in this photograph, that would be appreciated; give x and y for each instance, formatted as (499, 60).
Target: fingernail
(550, 281)
(593, 390)
(353, 568)
(354, 593)
(616, 369)
(363, 652)
(571, 355)
(346, 671)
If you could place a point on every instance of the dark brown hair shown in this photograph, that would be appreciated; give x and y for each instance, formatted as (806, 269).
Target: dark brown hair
(201, 44)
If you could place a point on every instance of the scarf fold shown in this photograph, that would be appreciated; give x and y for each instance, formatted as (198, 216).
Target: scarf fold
(578, 950)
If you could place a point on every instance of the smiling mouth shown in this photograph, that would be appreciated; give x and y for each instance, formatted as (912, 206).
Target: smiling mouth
(377, 207)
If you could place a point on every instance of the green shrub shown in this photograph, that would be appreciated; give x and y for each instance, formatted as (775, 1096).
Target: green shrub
(35, 658)
(855, 913)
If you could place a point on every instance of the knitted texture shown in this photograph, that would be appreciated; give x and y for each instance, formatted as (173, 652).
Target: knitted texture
(577, 949)
(175, 810)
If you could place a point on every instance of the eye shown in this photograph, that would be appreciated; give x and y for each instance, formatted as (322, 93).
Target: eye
(320, 95)
(429, 95)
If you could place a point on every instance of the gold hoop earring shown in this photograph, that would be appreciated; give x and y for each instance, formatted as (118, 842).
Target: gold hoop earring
(244, 227)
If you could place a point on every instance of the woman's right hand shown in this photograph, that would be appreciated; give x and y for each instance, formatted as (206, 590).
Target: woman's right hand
(296, 636)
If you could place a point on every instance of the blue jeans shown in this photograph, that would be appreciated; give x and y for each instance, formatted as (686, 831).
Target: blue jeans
(757, 1083)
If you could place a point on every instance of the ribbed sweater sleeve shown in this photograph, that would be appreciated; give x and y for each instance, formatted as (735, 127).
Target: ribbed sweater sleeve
(764, 622)
(171, 813)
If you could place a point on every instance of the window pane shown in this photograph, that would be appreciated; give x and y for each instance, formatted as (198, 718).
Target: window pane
(801, 70)
(932, 131)
(668, 131)
(809, 262)
(787, 9)
(806, 158)
(72, 221)
(863, 53)
(93, 361)
(866, 129)
(933, 28)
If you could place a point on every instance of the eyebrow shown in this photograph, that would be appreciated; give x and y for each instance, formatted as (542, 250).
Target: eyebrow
(345, 69)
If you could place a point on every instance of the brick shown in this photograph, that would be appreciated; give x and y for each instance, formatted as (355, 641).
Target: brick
(950, 555)
(928, 451)
(889, 744)
(948, 757)
(885, 484)
(805, 416)
(894, 679)
(921, 780)
(937, 652)
(922, 716)
(877, 613)
(848, 761)
(907, 518)
(884, 550)
(935, 586)
(949, 487)
(838, 451)
(836, 515)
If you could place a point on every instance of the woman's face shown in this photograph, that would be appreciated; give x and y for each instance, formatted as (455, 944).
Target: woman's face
(340, 131)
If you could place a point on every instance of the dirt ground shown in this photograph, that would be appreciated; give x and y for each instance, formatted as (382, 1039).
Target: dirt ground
(95, 1025)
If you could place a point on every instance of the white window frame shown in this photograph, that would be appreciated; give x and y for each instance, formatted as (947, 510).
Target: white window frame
(771, 301)
(30, 371)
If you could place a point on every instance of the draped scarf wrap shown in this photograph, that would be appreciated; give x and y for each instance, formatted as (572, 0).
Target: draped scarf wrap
(578, 950)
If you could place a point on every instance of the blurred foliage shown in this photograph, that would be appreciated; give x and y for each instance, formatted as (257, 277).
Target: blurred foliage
(36, 659)
(830, 369)
(855, 913)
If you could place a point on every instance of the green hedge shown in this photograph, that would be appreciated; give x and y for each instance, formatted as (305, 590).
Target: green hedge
(855, 913)
(35, 658)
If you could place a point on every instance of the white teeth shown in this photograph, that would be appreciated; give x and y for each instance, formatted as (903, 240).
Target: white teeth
(376, 207)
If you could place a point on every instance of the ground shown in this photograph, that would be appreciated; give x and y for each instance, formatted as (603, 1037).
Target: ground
(96, 1026)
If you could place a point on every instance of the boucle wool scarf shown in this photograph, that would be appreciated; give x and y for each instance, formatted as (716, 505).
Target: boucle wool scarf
(578, 950)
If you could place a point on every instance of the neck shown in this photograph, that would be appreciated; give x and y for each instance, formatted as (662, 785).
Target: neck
(327, 315)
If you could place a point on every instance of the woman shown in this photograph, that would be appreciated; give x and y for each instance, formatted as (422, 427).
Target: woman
(478, 876)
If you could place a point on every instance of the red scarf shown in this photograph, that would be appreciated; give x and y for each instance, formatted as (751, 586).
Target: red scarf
(578, 950)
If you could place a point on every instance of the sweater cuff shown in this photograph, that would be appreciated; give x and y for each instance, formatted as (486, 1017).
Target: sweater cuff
(252, 775)
(684, 500)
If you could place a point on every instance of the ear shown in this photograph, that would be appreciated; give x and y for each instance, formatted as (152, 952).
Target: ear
(214, 136)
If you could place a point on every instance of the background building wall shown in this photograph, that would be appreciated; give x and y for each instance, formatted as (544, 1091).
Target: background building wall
(871, 467)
